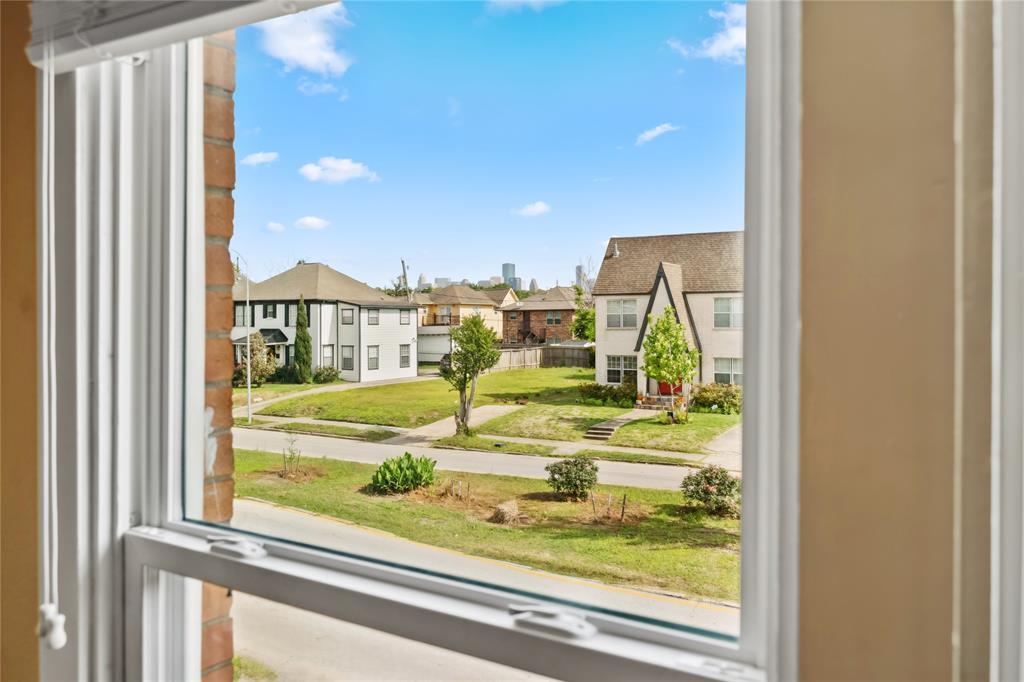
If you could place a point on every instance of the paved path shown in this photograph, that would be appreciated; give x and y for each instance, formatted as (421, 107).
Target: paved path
(470, 461)
(324, 422)
(726, 449)
(615, 423)
(335, 534)
(446, 427)
(569, 447)
(240, 411)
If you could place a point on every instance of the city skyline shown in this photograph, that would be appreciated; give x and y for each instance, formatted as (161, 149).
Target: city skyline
(457, 136)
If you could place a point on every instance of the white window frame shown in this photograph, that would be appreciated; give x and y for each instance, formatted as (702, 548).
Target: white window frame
(374, 359)
(351, 359)
(348, 316)
(620, 316)
(732, 371)
(159, 414)
(323, 355)
(735, 316)
(373, 316)
(405, 316)
(404, 361)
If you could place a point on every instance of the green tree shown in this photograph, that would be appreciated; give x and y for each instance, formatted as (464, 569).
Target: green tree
(667, 356)
(263, 362)
(303, 346)
(474, 350)
(584, 319)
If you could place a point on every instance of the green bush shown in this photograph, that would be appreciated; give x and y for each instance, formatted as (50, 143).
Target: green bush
(715, 488)
(717, 398)
(264, 364)
(325, 375)
(610, 395)
(573, 477)
(402, 474)
(285, 374)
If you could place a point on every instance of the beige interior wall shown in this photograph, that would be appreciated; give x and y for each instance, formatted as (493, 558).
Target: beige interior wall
(880, 341)
(19, 579)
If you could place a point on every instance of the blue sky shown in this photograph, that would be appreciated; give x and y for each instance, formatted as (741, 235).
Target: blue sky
(461, 135)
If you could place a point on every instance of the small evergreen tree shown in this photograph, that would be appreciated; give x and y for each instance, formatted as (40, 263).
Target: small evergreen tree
(303, 346)
(474, 350)
(667, 356)
(584, 319)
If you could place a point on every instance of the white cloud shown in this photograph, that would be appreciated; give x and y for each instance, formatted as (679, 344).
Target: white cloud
(309, 87)
(305, 40)
(311, 223)
(332, 170)
(275, 227)
(657, 131)
(259, 158)
(727, 45)
(501, 6)
(535, 209)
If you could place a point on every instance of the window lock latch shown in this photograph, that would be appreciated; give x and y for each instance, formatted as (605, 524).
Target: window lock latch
(236, 547)
(551, 620)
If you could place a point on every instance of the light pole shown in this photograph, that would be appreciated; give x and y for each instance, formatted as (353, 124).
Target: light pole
(248, 340)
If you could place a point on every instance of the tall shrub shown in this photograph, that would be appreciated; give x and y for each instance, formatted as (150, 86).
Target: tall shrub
(263, 362)
(303, 346)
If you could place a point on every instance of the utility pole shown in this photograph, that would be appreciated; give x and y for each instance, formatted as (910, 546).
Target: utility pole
(405, 283)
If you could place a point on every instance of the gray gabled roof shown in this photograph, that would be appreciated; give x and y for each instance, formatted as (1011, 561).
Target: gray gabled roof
(556, 298)
(498, 296)
(708, 262)
(318, 282)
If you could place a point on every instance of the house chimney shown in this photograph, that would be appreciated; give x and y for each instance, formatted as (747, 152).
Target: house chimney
(615, 249)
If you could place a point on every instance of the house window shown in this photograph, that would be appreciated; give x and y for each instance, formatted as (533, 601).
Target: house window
(513, 316)
(403, 355)
(554, 317)
(622, 313)
(291, 313)
(327, 355)
(404, 316)
(347, 316)
(240, 316)
(373, 316)
(729, 371)
(729, 313)
(621, 367)
(476, 310)
(373, 357)
(270, 310)
(348, 358)
(289, 354)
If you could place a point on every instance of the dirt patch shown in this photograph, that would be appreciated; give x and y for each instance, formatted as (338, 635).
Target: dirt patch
(301, 474)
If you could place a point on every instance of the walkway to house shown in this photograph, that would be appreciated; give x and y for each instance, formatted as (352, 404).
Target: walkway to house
(427, 433)
(240, 411)
(607, 429)
(725, 449)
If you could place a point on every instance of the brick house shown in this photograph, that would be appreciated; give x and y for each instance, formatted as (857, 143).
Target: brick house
(542, 318)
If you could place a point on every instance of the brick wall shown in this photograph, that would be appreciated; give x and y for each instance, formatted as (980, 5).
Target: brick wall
(513, 329)
(218, 489)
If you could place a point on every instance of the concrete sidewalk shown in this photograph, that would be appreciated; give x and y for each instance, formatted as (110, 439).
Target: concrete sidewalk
(332, 533)
(471, 461)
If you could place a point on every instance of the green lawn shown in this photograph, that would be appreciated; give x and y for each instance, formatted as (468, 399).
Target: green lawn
(268, 391)
(555, 422)
(636, 458)
(485, 444)
(250, 670)
(419, 403)
(371, 435)
(662, 545)
(690, 437)
(244, 421)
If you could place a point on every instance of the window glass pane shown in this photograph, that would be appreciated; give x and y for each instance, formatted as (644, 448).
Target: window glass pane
(723, 378)
(723, 364)
(722, 320)
(362, 209)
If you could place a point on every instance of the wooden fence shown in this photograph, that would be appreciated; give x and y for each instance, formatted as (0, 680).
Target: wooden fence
(543, 356)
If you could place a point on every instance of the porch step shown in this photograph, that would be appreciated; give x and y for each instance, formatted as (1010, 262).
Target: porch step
(605, 430)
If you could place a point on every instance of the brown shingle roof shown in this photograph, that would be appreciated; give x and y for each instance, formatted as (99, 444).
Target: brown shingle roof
(317, 282)
(556, 298)
(498, 295)
(709, 261)
(460, 294)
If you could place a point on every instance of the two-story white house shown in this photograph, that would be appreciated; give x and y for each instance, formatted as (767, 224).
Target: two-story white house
(365, 334)
(700, 275)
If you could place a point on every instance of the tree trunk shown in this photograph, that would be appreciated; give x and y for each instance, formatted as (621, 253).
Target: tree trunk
(462, 416)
